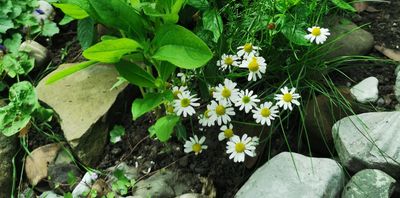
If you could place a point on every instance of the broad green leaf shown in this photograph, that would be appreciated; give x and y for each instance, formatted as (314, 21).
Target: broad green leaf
(68, 71)
(11, 121)
(284, 5)
(165, 69)
(116, 133)
(5, 24)
(111, 51)
(199, 4)
(295, 35)
(344, 5)
(180, 47)
(212, 21)
(149, 102)
(86, 32)
(67, 19)
(72, 10)
(13, 44)
(135, 74)
(164, 127)
(18, 63)
(49, 28)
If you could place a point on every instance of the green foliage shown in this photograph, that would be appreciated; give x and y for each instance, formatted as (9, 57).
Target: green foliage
(135, 74)
(116, 133)
(164, 127)
(150, 102)
(18, 63)
(212, 22)
(70, 70)
(86, 32)
(23, 104)
(72, 10)
(122, 184)
(344, 5)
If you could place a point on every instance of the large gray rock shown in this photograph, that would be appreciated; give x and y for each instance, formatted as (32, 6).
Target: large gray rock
(369, 183)
(349, 39)
(369, 140)
(83, 102)
(292, 175)
(8, 148)
(366, 90)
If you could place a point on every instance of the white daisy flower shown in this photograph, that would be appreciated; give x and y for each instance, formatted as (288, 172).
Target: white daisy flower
(182, 76)
(205, 119)
(238, 148)
(169, 109)
(256, 66)
(226, 132)
(179, 90)
(286, 99)
(318, 34)
(265, 113)
(247, 50)
(221, 112)
(226, 92)
(185, 103)
(246, 100)
(195, 145)
(227, 61)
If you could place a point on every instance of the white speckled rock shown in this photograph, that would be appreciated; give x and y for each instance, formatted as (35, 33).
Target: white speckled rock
(35, 50)
(292, 175)
(369, 183)
(366, 90)
(369, 140)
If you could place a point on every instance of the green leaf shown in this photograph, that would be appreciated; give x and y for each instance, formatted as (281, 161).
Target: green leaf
(180, 47)
(284, 5)
(111, 51)
(199, 4)
(72, 10)
(164, 127)
(116, 133)
(344, 5)
(149, 102)
(165, 69)
(13, 44)
(86, 32)
(49, 28)
(212, 21)
(5, 24)
(135, 74)
(295, 34)
(67, 19)
(18, 63)
(68, 71)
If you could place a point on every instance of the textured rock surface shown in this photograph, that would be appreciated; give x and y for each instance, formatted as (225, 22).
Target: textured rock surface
(8, 148)
(366, 90)
(369, 183)
(369, 140)
(37, 51)
(83, 101)
(292, 175)
(349, 39)
(397, 86)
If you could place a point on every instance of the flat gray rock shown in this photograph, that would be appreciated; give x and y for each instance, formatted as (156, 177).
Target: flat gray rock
(366, 90)
(369, 140)
(292, 175)
(369, 183)
(82, 102)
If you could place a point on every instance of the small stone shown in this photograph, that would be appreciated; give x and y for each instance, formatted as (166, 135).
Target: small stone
(380, 102)
(366, 90)
(44, 11)
(290, 175)
(50, 194)
(369, 183)
(58, 176)
(192, 195)
(8, 148)
(36, 51)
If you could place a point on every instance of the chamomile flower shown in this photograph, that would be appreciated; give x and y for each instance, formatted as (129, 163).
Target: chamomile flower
(318, 34)
(287, 98)
(265, 113)
(226, 92)
(247, 50)
(226, 132)
(194, 144)
(182, 76)
(227, 61)
(179, 90)
(221, 112)
(169, 109)
(239, 148)
(185, 103)
(255, 65)
(246, 100)
(205, 119)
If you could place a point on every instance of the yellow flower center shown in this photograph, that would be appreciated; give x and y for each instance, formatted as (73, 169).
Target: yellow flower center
(246, 99)
(220, 110)
(196, 148)
(170, 109)
(248, 47)
(228, 133)
(316, 31)
(176, 93)
(207, 113)
(226, 93)
(287, 97)
(228, 61)
(240, 147)
(253, 65)
(265, 112)
(185, 102)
